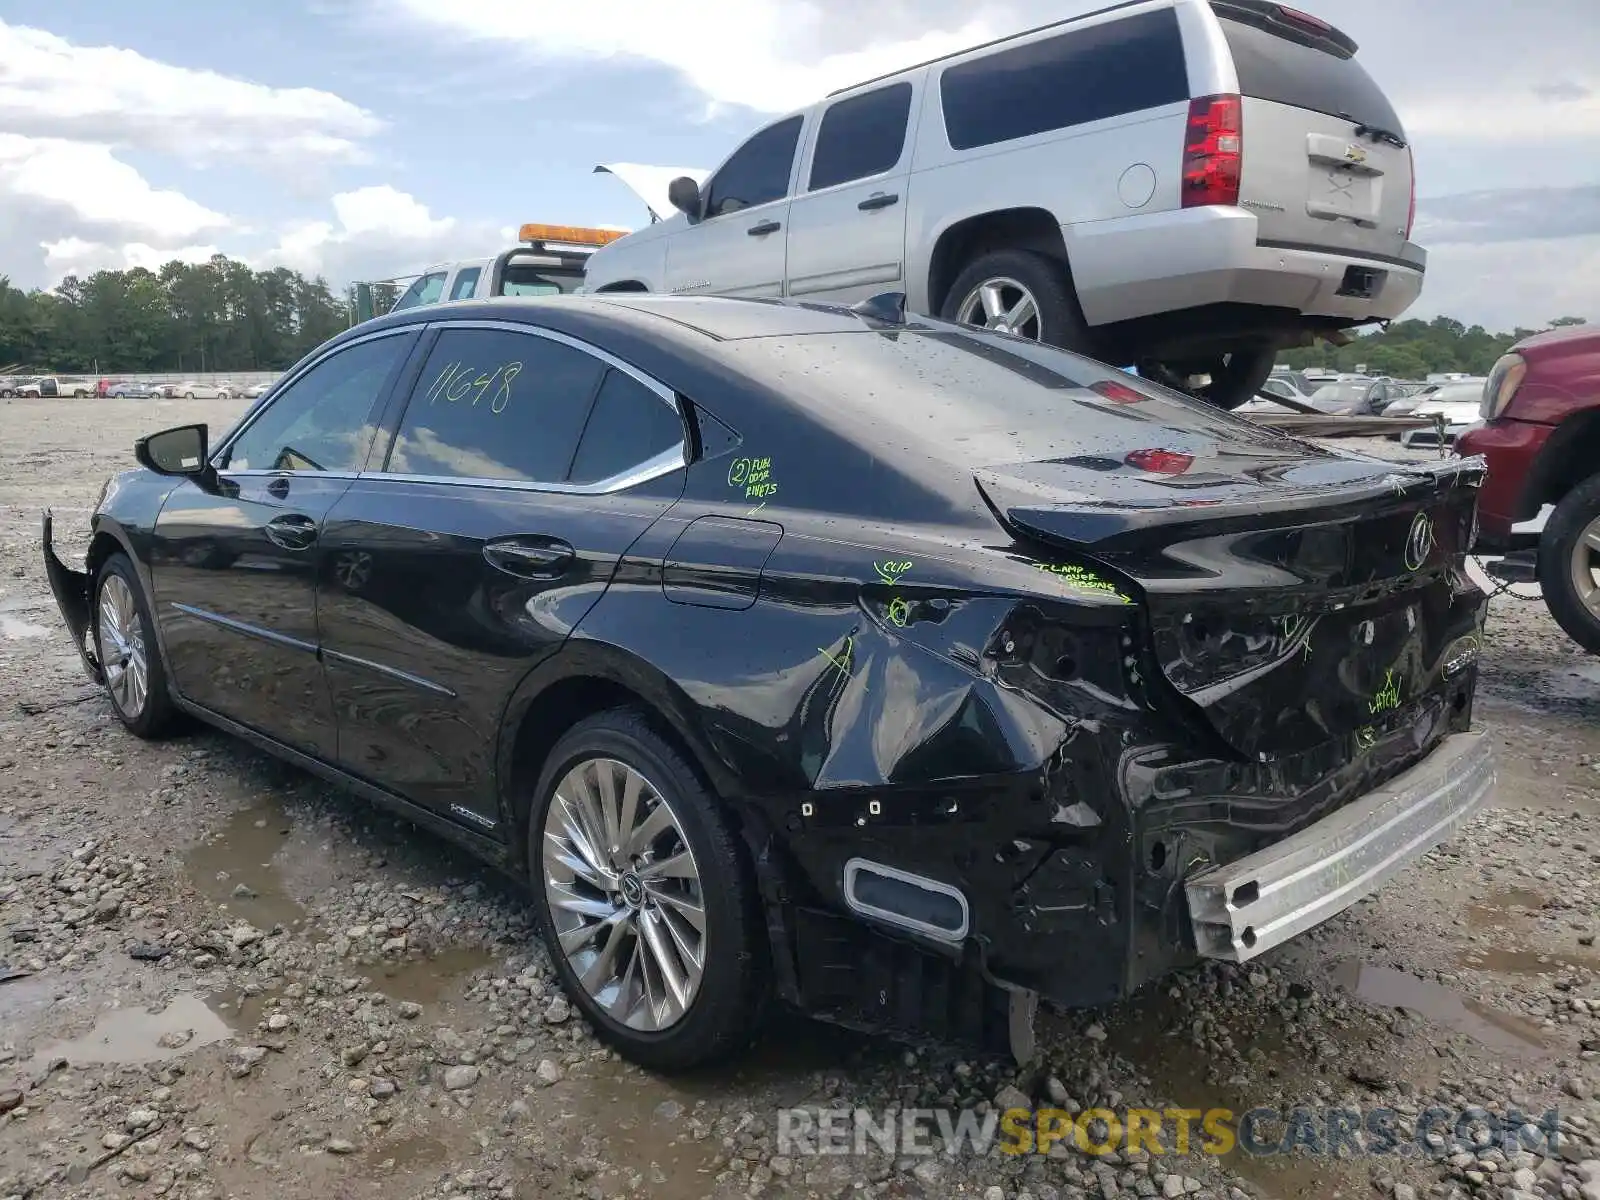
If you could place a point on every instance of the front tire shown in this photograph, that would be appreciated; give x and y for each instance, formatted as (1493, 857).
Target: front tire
(188, 395)
(1021, 292)
(130, 658)
(1569, 564)
(644, 897)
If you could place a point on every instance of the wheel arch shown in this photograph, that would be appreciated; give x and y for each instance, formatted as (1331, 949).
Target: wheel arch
(622, 285)
(1568, 457)
(959, 243)
(577, 682)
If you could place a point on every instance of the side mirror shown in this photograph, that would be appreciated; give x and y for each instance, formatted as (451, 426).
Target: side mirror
(179, 451)
(684, 193)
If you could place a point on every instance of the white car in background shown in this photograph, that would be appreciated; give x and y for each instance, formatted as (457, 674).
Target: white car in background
(1459, 404)
(256, 390)
(191, 390)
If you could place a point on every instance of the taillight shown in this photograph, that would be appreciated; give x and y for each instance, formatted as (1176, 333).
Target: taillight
(1160, 462)
(1213, 151)
(1411, 209)
(1118, 393)
(1505, 377)
(1295, 17)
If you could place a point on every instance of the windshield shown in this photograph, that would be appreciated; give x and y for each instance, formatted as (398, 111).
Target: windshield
(1457, 393)
(526, 280)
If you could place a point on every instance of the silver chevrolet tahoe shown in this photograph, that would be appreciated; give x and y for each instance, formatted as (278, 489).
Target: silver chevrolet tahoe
(1186, 186)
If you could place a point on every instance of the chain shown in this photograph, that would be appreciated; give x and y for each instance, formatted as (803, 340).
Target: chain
(1502, 587)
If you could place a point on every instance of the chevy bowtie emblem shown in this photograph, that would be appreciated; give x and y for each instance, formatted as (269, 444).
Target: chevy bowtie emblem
(1419, 542)
(1355, 153)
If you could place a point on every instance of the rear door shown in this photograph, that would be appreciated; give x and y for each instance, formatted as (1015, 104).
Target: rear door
(523, 468)
(847, 230)
(737, 248)
(1326, 165)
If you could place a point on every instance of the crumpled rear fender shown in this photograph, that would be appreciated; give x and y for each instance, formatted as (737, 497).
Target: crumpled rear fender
(73, 591)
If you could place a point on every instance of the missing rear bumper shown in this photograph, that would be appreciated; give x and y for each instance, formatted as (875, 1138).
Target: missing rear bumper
(1245, 908)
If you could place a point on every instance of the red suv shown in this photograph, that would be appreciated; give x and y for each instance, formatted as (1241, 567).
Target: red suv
(1541, 437)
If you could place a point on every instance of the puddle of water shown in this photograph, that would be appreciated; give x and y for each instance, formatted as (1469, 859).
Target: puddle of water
(1523, 962)
(15, 628)
(236, 868)
(137, 1035)
(429, 980)
(408, 1153)
(1494, 910)
(1388, 988)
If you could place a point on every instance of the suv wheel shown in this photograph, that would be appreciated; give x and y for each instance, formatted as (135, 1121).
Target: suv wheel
(1569, 564)
(1229, 379)
(1020, 292)
(130, 659)
(643, 896)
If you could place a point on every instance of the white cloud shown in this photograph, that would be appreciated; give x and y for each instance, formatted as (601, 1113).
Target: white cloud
(378, 233)
(50, 87)
(765, 55)
(1505, 284)
(74, 256)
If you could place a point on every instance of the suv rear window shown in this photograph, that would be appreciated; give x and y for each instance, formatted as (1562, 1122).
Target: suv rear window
(1084, 75)
(1288, 72)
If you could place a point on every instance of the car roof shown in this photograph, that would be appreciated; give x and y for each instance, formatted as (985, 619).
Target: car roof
(673, 317)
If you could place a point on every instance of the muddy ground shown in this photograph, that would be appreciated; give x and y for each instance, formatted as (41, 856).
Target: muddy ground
(221, 978)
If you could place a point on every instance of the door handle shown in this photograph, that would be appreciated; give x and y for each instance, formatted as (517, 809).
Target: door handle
(292, 531)
(881, 200)
(764, 228)
(278, 489)
(529, 558)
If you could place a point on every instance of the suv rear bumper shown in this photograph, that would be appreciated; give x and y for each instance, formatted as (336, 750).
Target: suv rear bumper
(1144, 265)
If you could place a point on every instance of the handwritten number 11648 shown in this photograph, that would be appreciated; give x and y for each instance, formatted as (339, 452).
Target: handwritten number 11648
(457, 380)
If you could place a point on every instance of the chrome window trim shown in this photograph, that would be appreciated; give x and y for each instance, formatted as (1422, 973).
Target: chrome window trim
(665, 463)
(282, 385)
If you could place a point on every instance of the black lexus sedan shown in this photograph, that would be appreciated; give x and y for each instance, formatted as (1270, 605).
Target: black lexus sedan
(897, 671)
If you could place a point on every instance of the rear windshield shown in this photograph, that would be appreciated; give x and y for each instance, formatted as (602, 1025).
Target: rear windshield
(527, 280)
(1284, 71)
(976, 400)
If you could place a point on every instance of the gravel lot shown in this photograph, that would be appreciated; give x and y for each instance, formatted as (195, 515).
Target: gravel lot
(221, 978)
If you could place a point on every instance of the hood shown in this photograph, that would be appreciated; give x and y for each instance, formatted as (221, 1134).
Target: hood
(650, 183)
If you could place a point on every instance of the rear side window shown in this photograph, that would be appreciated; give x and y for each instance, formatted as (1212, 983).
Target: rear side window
(1288, 72)
(496, 404)
(629, 426)
(466, 283)
(758, 172)
(1084, 75)
(861, 136)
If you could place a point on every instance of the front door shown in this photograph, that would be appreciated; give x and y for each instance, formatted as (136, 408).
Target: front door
(234, 566)
(847, 229)
(737, 247)
(522, 470)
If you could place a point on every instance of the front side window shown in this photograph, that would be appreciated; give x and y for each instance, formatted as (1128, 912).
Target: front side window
(861, 136)
(425, 290)
(1106, 70)
(758, 172)
(496, 404)
(323, 421)
(466, 283)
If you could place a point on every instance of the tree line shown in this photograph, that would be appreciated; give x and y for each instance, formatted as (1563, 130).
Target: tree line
(213, 316)
(223, 316)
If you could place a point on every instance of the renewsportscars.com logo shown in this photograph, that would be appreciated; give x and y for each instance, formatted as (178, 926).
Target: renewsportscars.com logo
(1338, 1132)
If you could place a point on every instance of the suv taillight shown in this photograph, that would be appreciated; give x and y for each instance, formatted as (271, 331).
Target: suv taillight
(1505, 377)
(1213, 150)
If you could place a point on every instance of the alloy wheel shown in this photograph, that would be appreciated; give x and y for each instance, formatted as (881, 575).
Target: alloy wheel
(1585, 563)
(624, 894)
(122, 649)
(1003, 305)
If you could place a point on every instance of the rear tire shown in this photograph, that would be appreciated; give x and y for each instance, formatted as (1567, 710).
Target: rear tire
(1236, 376)
(1022, 292)
(130, 658)
(1569, 557)
(637, 917)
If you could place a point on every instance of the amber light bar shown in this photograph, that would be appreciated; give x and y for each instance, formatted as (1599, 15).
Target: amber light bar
(574, 235)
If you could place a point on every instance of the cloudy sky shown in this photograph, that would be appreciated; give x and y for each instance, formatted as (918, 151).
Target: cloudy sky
(366, 138)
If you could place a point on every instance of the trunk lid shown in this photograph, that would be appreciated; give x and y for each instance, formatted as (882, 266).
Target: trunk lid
(1325, 160)
(1293, 600)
